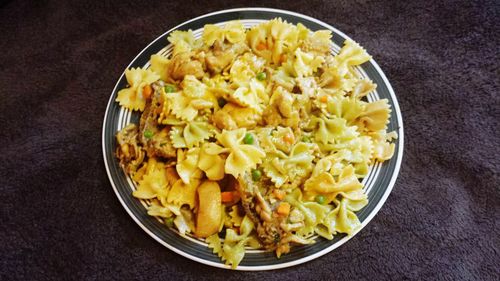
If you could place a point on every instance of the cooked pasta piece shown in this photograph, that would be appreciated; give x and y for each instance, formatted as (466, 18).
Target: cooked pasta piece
(132, 98)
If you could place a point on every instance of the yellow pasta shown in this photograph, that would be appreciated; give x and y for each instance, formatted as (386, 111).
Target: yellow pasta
(132, 97)
(242, 157)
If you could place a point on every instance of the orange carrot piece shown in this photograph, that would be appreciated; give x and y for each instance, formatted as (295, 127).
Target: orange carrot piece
(279, 194)
(147, 91)
(323, 99)
(261, 46)
(289, 138)
(283, 209)
(227, 196)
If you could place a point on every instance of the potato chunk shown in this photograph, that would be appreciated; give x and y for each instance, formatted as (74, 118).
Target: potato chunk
(209, 213)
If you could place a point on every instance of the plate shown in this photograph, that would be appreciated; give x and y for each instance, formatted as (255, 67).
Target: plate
(378, 183)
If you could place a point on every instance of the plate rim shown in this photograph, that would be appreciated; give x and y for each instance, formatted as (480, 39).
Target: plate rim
(302, 260)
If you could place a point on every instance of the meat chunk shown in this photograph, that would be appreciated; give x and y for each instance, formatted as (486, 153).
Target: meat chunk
(217, 61)
(154, 138)
(281, 110)
(183, 64)
(233, 116)
(221, 56)
(268, 228)
(128, 150)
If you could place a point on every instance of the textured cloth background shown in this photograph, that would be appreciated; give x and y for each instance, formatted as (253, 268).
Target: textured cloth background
(60, 218)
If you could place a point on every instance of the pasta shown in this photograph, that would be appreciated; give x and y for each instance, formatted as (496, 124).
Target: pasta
(258, 136)
(132, 97)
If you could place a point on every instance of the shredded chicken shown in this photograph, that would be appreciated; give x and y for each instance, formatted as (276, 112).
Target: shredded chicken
(269, 230)
(159, 144)
(183, 64)
(128, 150)
(221, 56)
(232, 117)
(280, 111)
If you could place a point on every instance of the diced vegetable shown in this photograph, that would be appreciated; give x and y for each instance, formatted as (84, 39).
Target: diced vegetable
(261, 76)
(147, 91)
(305, 139)
(227, 196)
(169, 88)
(321, 199)
(261, 46)
(323, 99)
(283, 209)
(248, 139)
(148, 134)
(279, 194)
(289, 138)
(256, 174)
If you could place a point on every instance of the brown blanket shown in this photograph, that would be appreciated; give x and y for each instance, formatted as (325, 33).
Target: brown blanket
(60, 218)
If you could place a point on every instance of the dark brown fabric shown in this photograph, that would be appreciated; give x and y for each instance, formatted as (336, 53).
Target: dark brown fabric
(60, 218)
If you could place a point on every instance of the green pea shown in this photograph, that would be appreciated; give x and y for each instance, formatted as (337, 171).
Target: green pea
(169, 88)
(148, 134)
(305, 139)
(169, 221)
(221, 102)
(248, 139)
(256, 174)
(261, 76)
(321, 199)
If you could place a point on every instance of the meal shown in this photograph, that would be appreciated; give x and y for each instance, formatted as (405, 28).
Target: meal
(253, 138)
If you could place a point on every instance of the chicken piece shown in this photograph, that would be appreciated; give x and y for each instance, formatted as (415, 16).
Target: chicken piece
(223, 120)
(233, 116)
(281, 110)
(183, 64)
(128, 151)
(154, 138)
(268, 224)
(216, 63)
(221, 56)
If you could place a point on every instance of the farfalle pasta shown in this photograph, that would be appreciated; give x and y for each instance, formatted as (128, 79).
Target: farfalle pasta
(134, 97)
(254, 137)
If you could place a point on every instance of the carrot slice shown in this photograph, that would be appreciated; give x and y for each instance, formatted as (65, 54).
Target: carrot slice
(227, 196)
(261, 46)
(147, 91)
(279, 194)
(289, 138)
(284, 209)
(323, 99)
